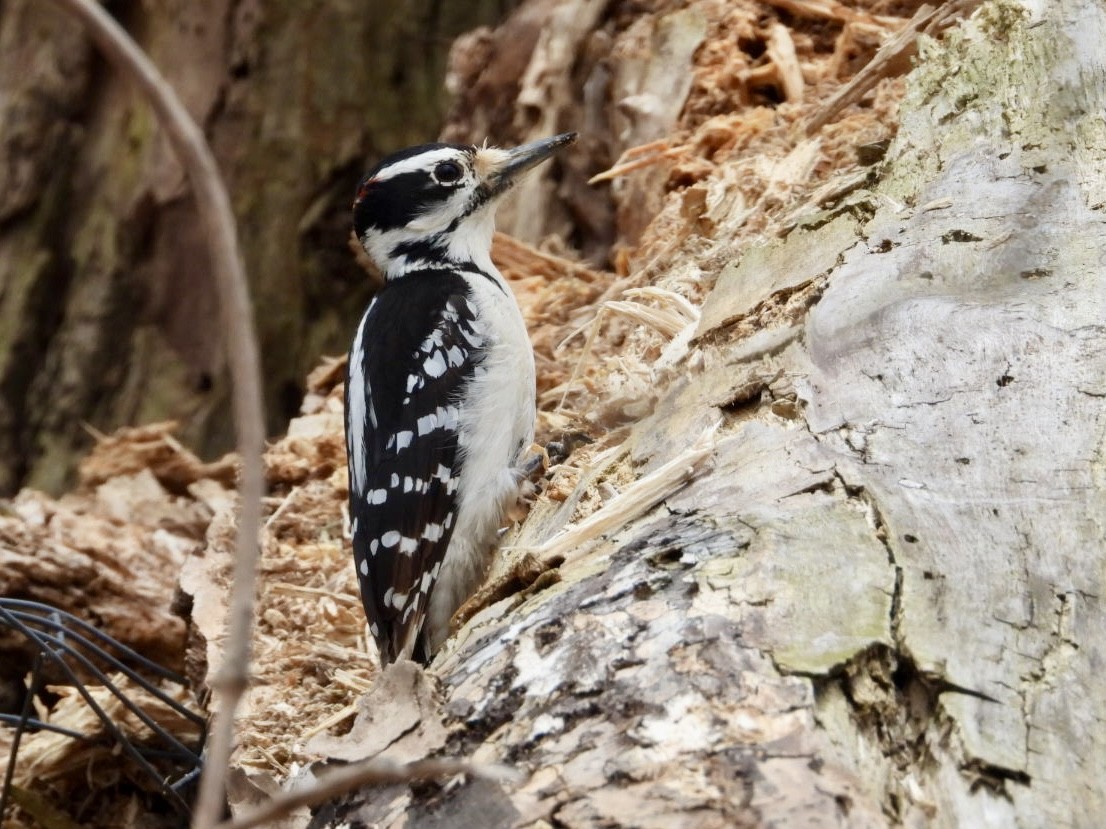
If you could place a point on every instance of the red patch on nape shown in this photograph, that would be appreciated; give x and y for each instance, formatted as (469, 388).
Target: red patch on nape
(363, 190)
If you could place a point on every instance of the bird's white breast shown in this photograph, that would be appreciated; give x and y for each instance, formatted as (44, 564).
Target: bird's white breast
(496, 427)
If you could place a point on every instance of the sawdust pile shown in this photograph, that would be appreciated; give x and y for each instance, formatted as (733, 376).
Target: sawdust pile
(311, 656)
(109, 553)
(784, 106)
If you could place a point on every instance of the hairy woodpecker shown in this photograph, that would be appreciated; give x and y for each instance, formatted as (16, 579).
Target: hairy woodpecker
(439, 388)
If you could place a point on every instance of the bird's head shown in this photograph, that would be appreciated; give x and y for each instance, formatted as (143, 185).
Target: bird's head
(436, 202)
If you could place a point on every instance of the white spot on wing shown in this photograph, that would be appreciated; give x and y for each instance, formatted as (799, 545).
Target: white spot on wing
(455, 356)
(403, 439)
(390, 539)
(428, 424)
(434, 366)
(364, 567)
(433, 341)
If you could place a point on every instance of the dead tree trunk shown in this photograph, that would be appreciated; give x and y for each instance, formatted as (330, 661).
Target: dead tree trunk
(882, 606)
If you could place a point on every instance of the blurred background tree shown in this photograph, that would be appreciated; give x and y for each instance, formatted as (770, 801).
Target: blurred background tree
(107, 314)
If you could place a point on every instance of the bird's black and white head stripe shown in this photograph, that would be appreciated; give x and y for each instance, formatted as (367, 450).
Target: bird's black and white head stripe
(424, 206)
(433, 204)
(411, 184)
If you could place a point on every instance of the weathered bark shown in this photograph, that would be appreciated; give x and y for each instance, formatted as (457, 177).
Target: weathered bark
(955, 380)
(106, 307)
(882, 607)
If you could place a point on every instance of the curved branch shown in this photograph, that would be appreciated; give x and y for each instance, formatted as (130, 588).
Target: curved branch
(218, 220)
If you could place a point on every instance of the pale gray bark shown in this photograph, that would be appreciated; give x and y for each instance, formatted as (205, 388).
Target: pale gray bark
(883, 605)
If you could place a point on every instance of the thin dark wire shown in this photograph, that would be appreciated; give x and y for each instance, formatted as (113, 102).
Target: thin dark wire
(108, 723)
(190, 776)
(35, 724)
(24, 716)
(128, 653)
(87, 664)
(107, 657)
(124, 743)
(116, 663)
(42, 638)
(21, 615)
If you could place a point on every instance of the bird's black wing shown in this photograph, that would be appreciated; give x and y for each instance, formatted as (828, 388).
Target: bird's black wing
(415, 351)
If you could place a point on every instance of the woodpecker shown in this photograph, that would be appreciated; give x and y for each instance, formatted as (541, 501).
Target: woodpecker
(440, 394)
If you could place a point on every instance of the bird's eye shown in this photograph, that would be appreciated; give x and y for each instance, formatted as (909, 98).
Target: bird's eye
(448, 172)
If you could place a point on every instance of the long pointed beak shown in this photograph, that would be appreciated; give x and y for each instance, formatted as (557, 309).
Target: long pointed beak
(527, 156)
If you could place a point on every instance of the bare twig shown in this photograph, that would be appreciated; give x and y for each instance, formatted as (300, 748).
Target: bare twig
(637, 158)
(215, 212)
(371, 772)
